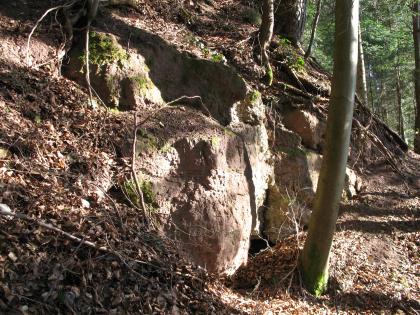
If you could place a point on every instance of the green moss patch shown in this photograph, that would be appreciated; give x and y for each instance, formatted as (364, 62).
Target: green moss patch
(104, 50)
(254, 97)
(146, 187)
(291, 152)
(142, 82)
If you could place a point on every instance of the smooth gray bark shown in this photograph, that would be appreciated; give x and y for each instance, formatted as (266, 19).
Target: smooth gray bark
(314, 26)
(361, 87)
(416, 37)
(399, 104)
(315, 256)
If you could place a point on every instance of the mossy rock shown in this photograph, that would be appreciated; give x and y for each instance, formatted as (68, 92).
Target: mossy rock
(147, 142)
(104, 50)
(119, 77)
(251, 110)
(149, 197)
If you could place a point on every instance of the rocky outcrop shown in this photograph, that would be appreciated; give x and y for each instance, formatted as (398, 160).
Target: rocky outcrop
(205, 178)
(204, 164)
(204, 187)
(120, 78)
(290, 199)
(153, 72)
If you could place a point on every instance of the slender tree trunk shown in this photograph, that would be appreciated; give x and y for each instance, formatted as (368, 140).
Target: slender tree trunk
(416, 37)
(399, 104)
(361, 87)
(265, 35)
(290, 19)
(314, 26)
(315, 256)
(372, 102)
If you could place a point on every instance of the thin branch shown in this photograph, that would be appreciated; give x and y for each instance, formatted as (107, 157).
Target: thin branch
(134, 174)
(5, 211)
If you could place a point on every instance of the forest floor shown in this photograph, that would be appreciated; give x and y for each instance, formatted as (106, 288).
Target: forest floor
(51, 144)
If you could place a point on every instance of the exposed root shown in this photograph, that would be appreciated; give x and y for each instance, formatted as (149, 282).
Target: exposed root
(28, 43)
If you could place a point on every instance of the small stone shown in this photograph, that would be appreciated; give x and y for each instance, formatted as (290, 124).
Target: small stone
(12, 256)
(85, 203)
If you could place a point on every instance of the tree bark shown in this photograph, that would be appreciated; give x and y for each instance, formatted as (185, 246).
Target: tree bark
(416, 37)
(265, 35)
(314, 26)
(290, 19)
(399, 104)
(361, 87)
(372, 100)
(315, 256)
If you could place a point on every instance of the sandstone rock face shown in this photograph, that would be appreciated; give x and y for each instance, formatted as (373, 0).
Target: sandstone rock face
(204, 189)
(308, 127)
(206, 178)
(153, 72)
(120, 78)
(289, 201)
(290, 198)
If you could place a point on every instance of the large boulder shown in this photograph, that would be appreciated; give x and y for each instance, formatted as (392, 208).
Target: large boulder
(153, 72)
(203, 187)
(119, 77)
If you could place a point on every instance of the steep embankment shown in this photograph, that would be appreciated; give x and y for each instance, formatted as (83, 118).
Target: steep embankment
(203, 167)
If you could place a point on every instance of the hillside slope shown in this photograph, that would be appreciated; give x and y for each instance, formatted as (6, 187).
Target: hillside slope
(54, 149)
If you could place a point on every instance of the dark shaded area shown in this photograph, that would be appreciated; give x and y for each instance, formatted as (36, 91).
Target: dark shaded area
(258, 245)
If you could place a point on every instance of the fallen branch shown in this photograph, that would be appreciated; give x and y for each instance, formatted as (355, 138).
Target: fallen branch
(378, 143)
(6, 211)
(402, 144)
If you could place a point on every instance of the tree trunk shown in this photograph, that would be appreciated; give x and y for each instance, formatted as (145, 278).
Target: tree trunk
(290, 19)
(361, 87)
(416, 37)
(372, 102)
(314, 26)
(265, 35)
(315, 256)
(399, 104)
